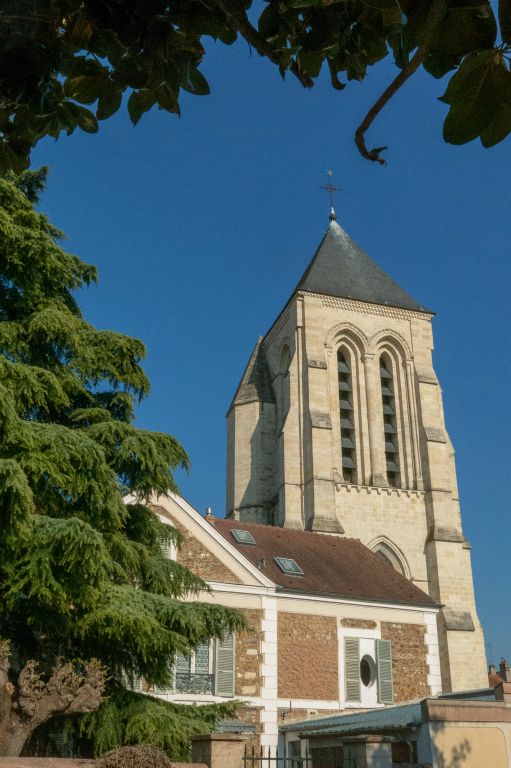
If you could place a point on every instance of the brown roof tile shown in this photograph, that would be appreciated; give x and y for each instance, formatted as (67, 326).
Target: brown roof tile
(333, 565)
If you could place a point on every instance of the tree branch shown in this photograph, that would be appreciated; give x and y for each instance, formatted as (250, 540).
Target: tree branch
(6, 690)
(238, 16)
(436, 13)
(65, 693)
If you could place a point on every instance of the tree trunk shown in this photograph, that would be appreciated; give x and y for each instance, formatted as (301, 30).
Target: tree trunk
(31, 701)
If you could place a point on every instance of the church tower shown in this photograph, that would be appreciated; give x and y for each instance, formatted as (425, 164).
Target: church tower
(337, 426)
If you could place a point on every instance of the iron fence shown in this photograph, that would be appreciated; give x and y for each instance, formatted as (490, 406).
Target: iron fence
(265, 758)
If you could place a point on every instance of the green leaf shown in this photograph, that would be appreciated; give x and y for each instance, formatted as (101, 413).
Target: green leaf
(140, 102)
(356, 65)
(439, 65)
(84, 88)
(11, 160)
(476, 100)
(505, 20)
(472, 65)
(106, 44)
(80, 65)
(500, 126)
(463, 30)
(382, 5)
(109, 102)
(195, 82)
(310, 62)
(269, 21)
(86, 120)
(167, 99)
(132, 72)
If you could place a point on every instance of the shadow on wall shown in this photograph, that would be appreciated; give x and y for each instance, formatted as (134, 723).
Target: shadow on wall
(259, 490)
(458, 757)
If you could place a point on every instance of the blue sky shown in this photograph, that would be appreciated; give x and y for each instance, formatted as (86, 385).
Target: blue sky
(201, 226)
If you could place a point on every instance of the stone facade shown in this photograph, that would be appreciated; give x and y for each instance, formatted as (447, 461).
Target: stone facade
(307, 657)
(409, 660)
(416, 525)
(199, 560)
(358, 623)
(252, 716)
(290, 663)
(249, 656)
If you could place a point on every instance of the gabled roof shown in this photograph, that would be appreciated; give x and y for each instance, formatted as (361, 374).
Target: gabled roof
(255, 384)
(341, 268)
(331, 565)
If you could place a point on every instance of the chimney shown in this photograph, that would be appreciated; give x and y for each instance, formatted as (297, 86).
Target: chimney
(503, 692)
(209, 515)
(492, 669)
(505, 671)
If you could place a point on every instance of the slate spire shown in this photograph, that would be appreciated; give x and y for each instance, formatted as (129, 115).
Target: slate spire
(341, 268)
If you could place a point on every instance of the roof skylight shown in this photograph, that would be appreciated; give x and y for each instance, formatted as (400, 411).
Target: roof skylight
(289, 566)
(243, 537)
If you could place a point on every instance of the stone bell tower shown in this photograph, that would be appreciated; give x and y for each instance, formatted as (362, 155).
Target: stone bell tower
(337, 426)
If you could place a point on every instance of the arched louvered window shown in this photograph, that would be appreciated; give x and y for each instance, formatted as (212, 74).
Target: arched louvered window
(386, 554)
(348, 440)
(389, 422)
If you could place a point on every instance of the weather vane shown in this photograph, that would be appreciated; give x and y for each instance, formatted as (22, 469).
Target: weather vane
(331, 189)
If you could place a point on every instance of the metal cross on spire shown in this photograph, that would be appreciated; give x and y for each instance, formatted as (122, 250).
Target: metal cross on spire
(331, 189)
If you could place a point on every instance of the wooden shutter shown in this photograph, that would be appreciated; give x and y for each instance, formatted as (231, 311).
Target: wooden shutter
(352, 668)
(384, 661)
(224, 667)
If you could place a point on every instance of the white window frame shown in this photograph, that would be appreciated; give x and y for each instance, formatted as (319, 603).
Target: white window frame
(361, 634)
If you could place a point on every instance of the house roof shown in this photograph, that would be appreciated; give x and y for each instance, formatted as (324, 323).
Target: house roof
(331, 565)
(341, 268)
(367, 721)
(255, 384)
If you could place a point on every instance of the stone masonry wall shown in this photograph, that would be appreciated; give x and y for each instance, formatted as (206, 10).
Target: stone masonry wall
(307, 657)
(252, 716)
(409, 665)
(287, 716)
(249, 656)
(200, 561)
(358, 623)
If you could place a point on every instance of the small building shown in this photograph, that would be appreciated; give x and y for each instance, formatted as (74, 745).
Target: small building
(333, 627)
(468, 730)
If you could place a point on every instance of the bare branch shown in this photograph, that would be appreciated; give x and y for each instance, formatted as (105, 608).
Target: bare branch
(67, 692)
(436, 13)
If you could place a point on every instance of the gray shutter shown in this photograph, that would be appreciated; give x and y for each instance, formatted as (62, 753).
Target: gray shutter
(384, 660)
(352, 668)
(224, 667)
(166, 547)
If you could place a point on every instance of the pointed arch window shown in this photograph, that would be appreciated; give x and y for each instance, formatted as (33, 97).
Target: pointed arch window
(389, 557)
(348, 437)
(389, 422)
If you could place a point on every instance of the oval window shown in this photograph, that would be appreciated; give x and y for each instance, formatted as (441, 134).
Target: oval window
(367, 669)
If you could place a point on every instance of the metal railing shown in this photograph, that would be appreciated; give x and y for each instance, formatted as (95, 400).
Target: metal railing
(264, 758)
(191, 682)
